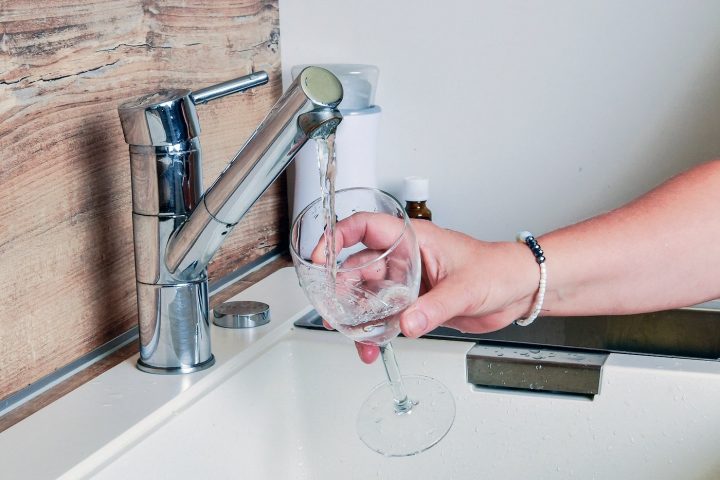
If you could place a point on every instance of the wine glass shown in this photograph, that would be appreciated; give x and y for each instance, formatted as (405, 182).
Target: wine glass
(377, 276)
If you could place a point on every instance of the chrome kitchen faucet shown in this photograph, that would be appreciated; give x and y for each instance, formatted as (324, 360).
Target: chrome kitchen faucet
(176, 227)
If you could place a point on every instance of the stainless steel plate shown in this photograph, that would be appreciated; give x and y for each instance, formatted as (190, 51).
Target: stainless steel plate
(687, 332)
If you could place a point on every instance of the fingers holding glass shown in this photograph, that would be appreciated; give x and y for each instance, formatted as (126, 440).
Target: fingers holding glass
(376, 277)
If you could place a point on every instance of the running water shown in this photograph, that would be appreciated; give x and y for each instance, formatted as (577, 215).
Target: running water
(366, 311)
(327, 168)
(362, 310)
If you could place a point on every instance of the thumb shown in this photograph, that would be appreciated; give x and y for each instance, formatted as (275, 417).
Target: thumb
(440, 304)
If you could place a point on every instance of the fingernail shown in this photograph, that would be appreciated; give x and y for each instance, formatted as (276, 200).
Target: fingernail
(416, 322)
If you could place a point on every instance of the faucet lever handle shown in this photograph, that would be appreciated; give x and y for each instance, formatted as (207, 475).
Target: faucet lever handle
(213, 92)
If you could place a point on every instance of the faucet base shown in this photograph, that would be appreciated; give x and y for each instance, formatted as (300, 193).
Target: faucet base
(142, 366)
(174, 327)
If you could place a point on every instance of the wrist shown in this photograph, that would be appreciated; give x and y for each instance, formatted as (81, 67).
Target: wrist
(521, 278)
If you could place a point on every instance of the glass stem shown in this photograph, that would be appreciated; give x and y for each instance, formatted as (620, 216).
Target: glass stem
(402, 403)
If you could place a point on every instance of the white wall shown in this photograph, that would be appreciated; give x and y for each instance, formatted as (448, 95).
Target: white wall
(526, 115)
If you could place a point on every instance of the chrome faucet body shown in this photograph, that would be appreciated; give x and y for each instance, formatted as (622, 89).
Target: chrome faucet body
(176, 227)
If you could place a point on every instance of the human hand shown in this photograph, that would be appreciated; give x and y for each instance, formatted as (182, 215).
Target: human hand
(367, 353)
(467, 284)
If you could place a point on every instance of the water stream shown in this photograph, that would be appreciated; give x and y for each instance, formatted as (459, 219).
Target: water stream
(327, 166)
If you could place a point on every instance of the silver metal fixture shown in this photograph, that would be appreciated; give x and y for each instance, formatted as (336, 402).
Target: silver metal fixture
(176, 227)
(686, 332)
(535, 369)
(243, 314)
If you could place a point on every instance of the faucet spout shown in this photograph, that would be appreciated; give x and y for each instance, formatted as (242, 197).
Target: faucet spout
(306, 110)
(177, 229)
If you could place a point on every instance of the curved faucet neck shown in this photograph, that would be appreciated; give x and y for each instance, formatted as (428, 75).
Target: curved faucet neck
(265, 155)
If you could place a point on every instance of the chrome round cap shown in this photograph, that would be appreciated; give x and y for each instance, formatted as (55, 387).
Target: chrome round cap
(242, 314)
(159, 119)
(321, 86)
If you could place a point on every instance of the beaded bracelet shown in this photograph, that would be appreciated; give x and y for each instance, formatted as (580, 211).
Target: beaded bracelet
(528, 239)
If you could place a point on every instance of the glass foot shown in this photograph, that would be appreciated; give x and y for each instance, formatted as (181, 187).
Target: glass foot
(392, 433)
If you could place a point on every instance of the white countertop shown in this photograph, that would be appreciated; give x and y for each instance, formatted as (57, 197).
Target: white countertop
(75, 426)
(282, 402)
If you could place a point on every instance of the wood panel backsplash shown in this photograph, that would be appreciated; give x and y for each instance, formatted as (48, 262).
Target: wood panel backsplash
(66, 259)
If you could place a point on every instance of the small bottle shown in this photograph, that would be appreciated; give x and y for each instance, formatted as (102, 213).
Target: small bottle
(416, 196)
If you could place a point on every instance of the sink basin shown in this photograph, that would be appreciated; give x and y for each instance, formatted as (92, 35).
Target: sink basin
(282, 403)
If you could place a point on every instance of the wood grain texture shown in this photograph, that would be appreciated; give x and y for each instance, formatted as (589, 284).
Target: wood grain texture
(66, 260)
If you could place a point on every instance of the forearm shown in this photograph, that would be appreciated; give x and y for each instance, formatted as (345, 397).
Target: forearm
(660, 251)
